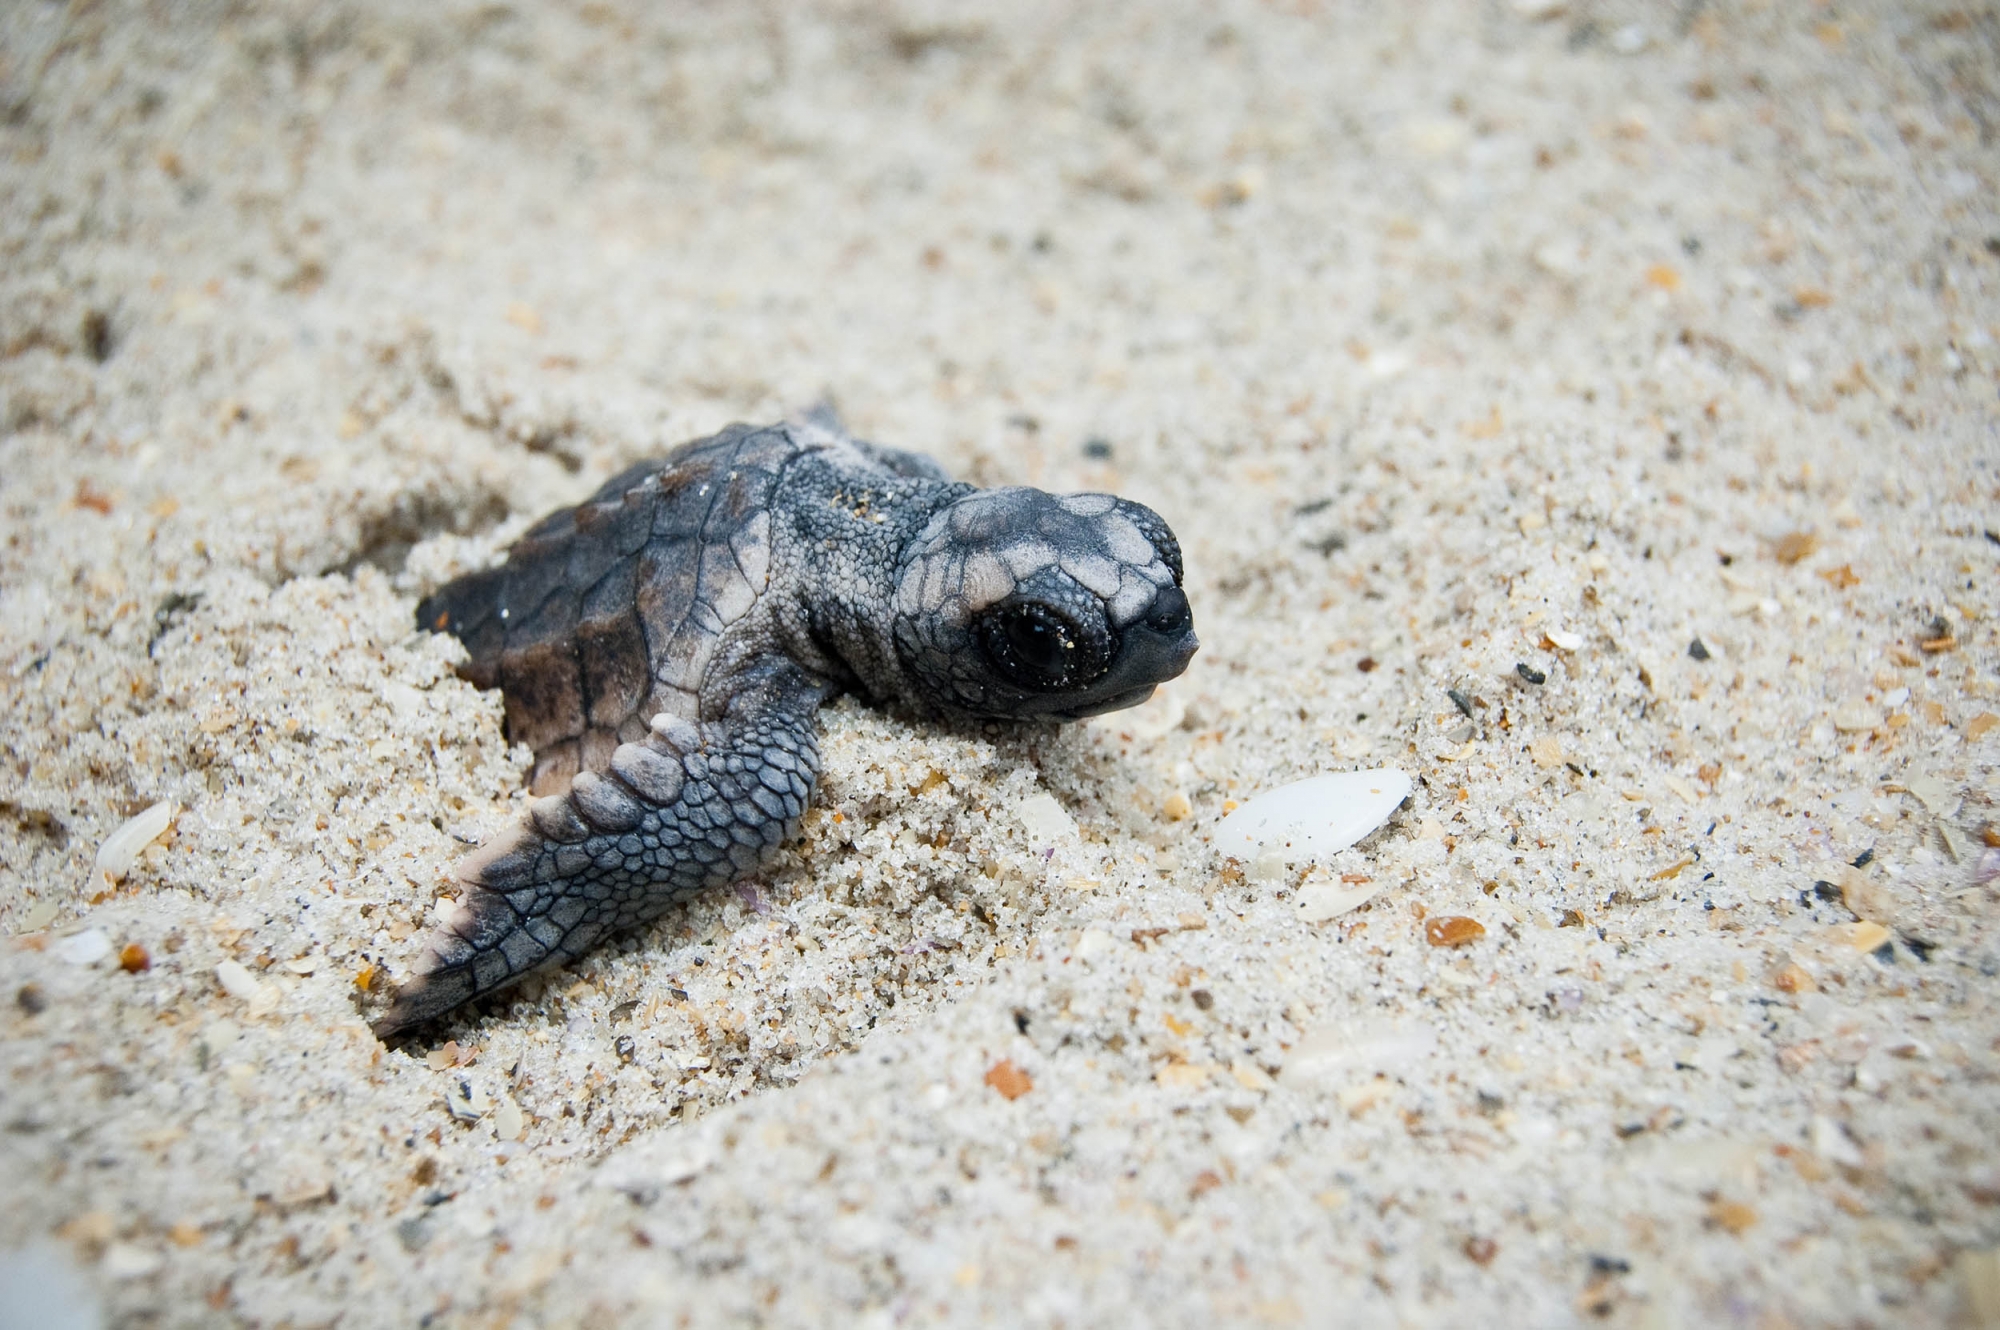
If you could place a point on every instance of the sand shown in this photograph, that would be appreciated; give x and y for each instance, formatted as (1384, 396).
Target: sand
(1505, 348)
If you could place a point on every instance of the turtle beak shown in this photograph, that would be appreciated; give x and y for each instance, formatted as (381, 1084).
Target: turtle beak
(1151, 651)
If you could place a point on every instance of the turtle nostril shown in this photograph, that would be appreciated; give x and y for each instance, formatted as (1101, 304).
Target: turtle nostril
(1169, 612)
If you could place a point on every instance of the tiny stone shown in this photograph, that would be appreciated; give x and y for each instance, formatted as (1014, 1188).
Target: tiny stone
(133, 959)
(1452, 930)
(1009, 1080)
(1177, 807)
(1867, 935)
(1698, 649)
(1530, 673)
(1460, 700)
(31, 999)
(1795, 546)
(1793, 979)
(1732, 1216)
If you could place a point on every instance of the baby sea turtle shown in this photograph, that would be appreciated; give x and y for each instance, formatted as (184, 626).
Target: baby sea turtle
(664, 648)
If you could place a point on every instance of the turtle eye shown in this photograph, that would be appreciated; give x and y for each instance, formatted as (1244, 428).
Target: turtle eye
(1037, 643)
(1031, 645)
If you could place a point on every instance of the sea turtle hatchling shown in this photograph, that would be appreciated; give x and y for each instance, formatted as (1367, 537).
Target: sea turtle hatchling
(664, 648)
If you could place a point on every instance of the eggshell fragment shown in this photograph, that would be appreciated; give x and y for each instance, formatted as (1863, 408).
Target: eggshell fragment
(1316, 816)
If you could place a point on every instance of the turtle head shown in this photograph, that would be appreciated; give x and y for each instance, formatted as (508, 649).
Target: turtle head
(1013, 604)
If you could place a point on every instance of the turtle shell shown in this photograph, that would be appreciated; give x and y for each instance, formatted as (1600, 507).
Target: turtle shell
(611, 612)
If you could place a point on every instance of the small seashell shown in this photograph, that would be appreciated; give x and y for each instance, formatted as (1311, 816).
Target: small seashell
(1316, 816)
(121, 848)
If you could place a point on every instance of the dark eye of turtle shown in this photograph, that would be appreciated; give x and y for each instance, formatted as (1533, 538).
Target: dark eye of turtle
(1031, 645)
(1037, 643)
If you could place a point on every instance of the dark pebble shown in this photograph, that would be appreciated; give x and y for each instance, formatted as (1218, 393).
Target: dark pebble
(626, 1047)
(1098, 450)
(1826, 891)
(1460, 700)
(1698, 649)
(1530, 673)
(32, 999)
(1366, 664)
(1919, 948)
(1865, 858)
(1202, 998)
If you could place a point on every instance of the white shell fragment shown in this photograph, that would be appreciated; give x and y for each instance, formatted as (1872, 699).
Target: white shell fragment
(1046, 820)
(1321, 901)
(1938, 798)
(121, 848)
(1338, 1052)
(1316, 816)
(85, 948)
(237, 981)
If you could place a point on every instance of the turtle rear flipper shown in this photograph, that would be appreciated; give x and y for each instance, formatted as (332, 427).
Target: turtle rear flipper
(687, 807)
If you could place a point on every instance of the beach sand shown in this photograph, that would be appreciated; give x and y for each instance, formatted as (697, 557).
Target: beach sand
(1629, 369)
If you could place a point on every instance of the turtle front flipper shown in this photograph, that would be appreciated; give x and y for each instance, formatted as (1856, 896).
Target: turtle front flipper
(687, 807)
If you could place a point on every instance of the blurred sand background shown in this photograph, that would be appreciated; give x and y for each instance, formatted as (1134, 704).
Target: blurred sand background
(1450, 337)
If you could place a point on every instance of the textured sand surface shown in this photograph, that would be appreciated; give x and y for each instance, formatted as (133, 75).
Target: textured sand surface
(1505, 348)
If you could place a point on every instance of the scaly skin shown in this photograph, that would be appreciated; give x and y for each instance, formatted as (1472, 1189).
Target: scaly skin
(665, 648)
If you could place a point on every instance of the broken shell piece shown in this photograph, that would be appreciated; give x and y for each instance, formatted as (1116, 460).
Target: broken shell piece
(1321, 900)
(86, 948)
(121, 848)
(1316, 816)
(1045, 820)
